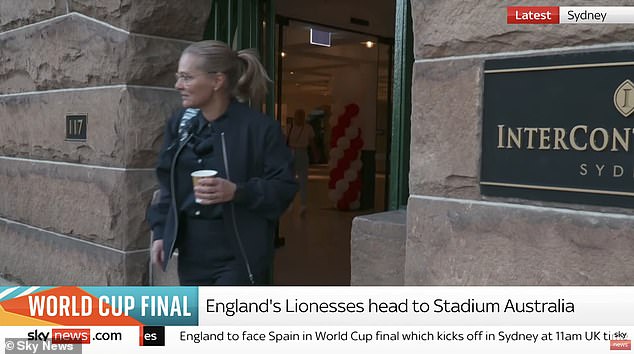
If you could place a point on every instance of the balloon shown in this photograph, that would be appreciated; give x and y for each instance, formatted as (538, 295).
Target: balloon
(341, 185)
(336, 153)
(343, 143)
(337, 173)
(344, 203)
(350, 175)
(339, 152)
(335, 176)
(350, 154)
(337, 133)
(352, 109)
(351, 132)
(351, 194)
(355, 185)
(344, 163)
(345, 120)
(357, 143)
(342, 167)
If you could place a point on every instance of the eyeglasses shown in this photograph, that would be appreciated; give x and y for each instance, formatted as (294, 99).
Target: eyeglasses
(187, 78)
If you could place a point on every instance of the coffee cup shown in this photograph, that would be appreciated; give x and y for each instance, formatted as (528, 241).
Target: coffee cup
(197, 175)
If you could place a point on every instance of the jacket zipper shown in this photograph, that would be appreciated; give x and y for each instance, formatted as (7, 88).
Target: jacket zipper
(173, 190)
(233, 213)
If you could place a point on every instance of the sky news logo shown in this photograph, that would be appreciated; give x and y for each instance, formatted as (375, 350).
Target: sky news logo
(62, 336)
(24, 345)
(152, 336)
(621, 344)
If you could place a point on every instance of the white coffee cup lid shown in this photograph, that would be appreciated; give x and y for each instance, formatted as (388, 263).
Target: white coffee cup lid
(204, 173)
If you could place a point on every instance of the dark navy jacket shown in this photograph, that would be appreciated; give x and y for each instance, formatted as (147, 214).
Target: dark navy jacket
(260, 164)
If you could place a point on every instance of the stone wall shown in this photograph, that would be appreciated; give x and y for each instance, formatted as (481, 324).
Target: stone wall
(73, 212)
(162, 18)
(468, 242)
(378, 249)
(454, 235)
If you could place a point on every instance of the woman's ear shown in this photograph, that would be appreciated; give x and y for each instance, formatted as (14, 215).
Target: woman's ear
(220, 81)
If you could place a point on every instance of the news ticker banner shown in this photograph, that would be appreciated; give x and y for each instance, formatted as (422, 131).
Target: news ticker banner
(570, 14)
(321, 339)
(316, 319)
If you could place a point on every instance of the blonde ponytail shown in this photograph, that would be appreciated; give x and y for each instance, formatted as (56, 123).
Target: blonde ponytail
(252, 84)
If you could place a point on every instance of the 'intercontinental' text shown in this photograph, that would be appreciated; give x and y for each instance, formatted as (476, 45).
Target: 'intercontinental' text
(579, 138)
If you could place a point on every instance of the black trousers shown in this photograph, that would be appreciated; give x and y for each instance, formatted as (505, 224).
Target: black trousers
(206, 256)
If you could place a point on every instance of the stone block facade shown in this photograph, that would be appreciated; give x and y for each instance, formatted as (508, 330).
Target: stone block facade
(455, 235)
(73, 51)
(162, 18)
(34, 256)
(73, 212)
(124, 125)
(378, 249)
(444, 29)
(468, 242)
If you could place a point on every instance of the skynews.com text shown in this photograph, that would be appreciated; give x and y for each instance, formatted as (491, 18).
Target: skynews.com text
(73, 336)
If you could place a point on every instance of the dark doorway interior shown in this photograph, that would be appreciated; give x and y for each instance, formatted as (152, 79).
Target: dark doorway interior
(321, 80)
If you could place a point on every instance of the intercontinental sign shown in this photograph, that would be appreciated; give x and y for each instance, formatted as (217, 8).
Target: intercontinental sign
(560, 128)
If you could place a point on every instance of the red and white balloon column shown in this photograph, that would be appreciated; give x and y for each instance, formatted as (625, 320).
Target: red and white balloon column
(345, 159)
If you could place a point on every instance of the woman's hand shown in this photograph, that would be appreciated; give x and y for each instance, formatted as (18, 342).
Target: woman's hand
(158, 255)
(214, 190)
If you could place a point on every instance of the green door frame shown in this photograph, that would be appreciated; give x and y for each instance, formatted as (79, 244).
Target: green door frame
(247, 24)
(271, 56)
(401, 107)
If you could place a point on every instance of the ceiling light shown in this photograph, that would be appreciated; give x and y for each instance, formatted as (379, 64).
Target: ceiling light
(283, 54)
(292, 73)
(368, 44)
